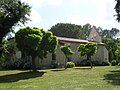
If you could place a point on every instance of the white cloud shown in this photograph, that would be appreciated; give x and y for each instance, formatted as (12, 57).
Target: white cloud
(76, 19)
(54, 2)
(105, 24)
(35, 3)
(36, 19)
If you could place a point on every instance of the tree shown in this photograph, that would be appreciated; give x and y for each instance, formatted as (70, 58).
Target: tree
(12, 13)
(88, 49)
(110, 33)
(35, 42)
(111, 47)
(67, 51)
(117, 9)
(117, 52)
(66, 30)
(85, 31)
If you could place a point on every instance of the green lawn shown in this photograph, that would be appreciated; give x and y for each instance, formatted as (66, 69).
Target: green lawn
(81, 78)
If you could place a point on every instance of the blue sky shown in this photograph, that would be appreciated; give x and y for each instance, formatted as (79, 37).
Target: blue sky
(46, 13)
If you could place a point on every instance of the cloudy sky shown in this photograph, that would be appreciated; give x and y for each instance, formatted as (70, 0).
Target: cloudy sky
(46, 13)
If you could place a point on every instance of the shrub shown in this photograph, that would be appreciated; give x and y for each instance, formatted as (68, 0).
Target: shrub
(113, 62)
(85, 63)
(54, 64)
(70, 65)
(106, 64)
(118, 64)
(17, 64)
(95, 63)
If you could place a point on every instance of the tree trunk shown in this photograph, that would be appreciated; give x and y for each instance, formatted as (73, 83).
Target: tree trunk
(68, 59)
(66, 62)
(89, 59)
(33, 63)
(1, 47)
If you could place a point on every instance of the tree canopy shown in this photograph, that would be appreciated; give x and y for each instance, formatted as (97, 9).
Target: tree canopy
(66, 30)
(88, 49)
(67, 51)
(12, 13)
(117, 9)
(35, 42)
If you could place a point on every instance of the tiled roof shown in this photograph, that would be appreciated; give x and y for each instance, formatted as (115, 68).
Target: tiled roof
(72, 40)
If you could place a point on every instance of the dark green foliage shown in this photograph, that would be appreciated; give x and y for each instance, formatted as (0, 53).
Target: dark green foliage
(118, 64)
(8, 51)
(17, 64)
(67, 51)
(84, 63)
(54, 63)
(12, 13)
(117, 9)
(117, 51)
(111, 45)
(70, 65)
(66, 30)
(84, 33)
(110, 33)
(35, 42)
(88, 49)
(95, 63)
(106, 64)
(113, 62)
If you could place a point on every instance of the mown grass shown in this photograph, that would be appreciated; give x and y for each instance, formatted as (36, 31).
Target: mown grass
(79, 78)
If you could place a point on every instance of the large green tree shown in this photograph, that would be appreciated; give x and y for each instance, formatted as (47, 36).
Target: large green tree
(35, 42)
(111, 46)
(117, 9)
(84, 33)
(88, 49)
(117, 52)
(67, 51)
(110, 33)
(12, 13)
(66, 30)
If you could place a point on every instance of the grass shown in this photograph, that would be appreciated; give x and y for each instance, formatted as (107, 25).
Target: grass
(79, 78)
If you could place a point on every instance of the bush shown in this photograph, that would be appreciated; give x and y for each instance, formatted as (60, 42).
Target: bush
(113, 62)
(54, 64)
(85, 63)
(118, 64)
(106, 64)
(95, 63)
(70, 65)
(17, 64)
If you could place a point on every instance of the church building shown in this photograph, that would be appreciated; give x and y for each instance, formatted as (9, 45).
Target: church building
(94, 36)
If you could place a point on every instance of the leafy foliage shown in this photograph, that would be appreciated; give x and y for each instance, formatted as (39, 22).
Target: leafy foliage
(113, 62)
(110, 33)
(117, 9)
(12, 13)
(67, 51)
(35, 42)
(70, 65)
(66, 30)
(88, 49)
(111, 45)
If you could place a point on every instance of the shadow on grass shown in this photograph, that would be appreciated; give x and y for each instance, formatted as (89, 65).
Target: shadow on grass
(57, 70)
(20, 76)
(83, 68)
(113, 77)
